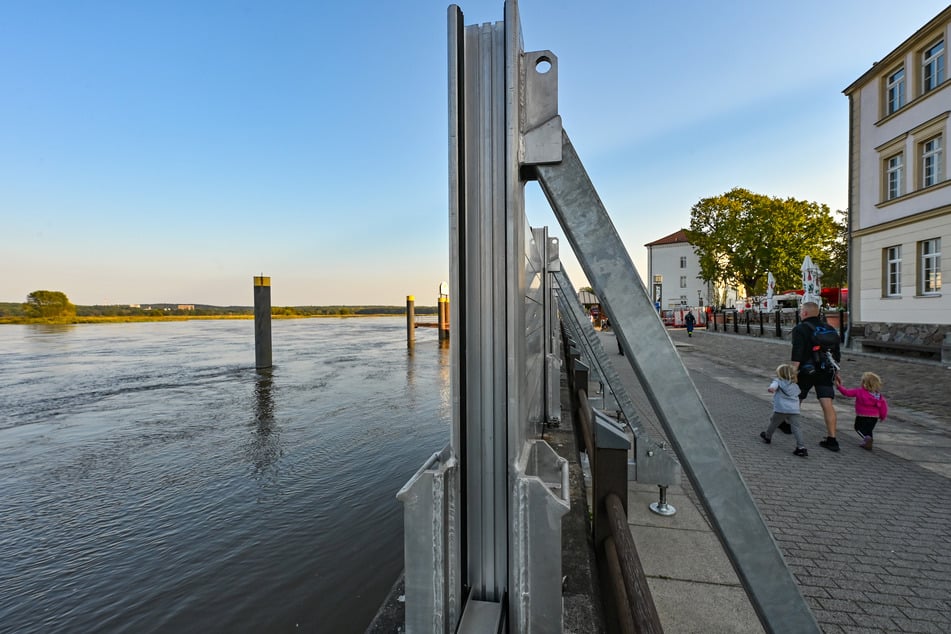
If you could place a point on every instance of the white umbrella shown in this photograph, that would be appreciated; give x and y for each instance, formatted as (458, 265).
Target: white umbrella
(811, 282)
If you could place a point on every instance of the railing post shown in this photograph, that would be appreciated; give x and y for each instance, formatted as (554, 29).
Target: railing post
(608, 473)
(736, 321)
(779, 324)
(579, 400)
(760, 323)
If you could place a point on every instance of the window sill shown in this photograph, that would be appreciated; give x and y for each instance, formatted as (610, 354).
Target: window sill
(913, 102)
(928, 296)
(910, 195)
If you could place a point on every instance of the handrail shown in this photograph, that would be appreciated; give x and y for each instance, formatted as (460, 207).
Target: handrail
(633, 606)
(640, 601)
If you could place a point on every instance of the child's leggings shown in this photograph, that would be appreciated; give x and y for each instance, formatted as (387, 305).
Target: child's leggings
(792, 419)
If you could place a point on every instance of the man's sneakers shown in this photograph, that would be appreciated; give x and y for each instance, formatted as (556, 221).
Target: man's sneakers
(765, 438)
(801, 452)
(830, 443)
(866, 443)
(785, 427)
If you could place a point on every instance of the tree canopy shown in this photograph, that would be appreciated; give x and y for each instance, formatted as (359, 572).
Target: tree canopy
(740, 235)
(51, 305)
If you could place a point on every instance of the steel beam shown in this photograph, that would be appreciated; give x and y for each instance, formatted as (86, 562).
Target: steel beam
(653, 464)
(671, 392)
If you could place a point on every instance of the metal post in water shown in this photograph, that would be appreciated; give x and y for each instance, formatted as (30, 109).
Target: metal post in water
(443, 304)
(410, 320)
(262, 321)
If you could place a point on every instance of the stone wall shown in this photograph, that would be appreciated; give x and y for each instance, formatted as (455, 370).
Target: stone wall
(924, 334)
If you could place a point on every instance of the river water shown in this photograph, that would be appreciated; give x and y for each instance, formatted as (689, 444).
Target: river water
(151, 480)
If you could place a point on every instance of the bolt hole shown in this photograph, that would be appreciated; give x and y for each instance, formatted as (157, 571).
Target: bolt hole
(542, 65)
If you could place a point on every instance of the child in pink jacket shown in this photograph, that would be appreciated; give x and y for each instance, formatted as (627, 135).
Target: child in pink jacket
(870, 405)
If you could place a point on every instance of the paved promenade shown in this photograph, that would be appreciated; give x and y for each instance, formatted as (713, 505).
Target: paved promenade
(867, 534)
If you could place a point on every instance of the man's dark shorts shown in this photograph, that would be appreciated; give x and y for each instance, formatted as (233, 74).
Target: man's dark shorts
(822, 381)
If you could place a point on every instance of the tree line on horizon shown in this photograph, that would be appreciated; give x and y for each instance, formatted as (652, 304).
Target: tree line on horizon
(54, 307)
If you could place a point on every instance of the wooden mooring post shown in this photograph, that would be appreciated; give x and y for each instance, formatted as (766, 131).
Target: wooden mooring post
(410, 320)
(443, 318)
(262, 321)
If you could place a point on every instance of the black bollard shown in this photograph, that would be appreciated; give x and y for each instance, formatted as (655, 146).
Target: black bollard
(779, 324)
(747, 322)
(842, 324)
(736, 321)
(262, 322)
(760, 323)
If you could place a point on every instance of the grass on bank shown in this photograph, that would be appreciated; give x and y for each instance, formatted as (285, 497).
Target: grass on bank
(94, 315)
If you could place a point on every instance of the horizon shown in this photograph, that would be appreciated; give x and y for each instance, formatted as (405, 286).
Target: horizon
(179, 149)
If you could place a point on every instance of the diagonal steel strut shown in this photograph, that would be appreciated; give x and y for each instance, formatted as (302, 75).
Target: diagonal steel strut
(572, 310)
(652, 463)
(647, 346)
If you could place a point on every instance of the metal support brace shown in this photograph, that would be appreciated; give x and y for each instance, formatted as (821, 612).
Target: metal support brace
(652, 463)
(724, 494)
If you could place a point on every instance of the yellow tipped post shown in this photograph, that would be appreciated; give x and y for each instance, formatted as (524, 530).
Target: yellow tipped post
(262, 321)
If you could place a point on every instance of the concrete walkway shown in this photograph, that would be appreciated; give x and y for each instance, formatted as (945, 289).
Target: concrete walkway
(867, 534)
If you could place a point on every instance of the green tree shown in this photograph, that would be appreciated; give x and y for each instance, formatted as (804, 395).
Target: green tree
(835, 263)
(51, 305)
(740, 235)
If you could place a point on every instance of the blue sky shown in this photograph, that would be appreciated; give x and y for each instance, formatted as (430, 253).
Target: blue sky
(170, 151)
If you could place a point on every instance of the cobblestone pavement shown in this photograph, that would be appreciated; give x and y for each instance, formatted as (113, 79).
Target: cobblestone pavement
(867, 534)
(923, 386)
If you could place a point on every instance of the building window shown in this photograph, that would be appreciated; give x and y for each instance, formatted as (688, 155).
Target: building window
(893, 271)
(893, 176)
(931, 162)
(929, 266)
(683, 261)
(895, 90)
(932, 67)
(683, 281)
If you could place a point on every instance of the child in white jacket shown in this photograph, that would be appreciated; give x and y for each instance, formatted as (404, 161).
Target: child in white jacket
(785, 393)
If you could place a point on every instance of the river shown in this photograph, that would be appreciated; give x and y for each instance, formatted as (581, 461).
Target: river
(154, 481)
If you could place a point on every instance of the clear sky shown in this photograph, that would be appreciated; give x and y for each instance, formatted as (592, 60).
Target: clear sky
(170, 151)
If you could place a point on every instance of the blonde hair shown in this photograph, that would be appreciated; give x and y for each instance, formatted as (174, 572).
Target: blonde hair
(871, 382)
(786, 372)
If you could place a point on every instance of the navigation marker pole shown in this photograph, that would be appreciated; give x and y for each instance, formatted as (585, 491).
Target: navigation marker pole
(262, 322)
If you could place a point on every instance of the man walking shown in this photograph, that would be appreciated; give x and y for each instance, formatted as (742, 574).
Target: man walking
(690, 321)
(814, 373)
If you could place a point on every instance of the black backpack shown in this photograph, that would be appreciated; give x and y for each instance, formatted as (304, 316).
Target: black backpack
(822, 341)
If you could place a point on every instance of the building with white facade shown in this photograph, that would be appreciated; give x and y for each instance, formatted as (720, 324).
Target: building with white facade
(900, 192)
(673, 275)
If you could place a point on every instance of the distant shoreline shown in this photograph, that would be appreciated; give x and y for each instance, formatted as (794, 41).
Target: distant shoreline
(22, 321)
